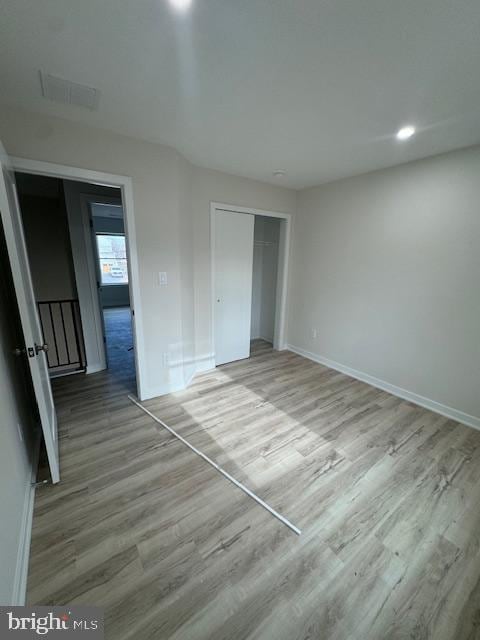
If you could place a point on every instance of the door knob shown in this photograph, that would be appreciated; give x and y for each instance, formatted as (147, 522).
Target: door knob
(41, 347)
(18, 352)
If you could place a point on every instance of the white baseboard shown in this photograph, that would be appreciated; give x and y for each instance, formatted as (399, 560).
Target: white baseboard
(163, 390)
(201, 364)
(437, 407)
(19, 591)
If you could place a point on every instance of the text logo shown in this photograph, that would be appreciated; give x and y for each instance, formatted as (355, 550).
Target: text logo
(51, 622)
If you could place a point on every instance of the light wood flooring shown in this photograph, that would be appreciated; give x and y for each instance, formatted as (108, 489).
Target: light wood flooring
(387, 496)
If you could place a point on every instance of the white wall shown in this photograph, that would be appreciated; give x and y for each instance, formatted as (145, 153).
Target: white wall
(154, 172)
(172, 211)
(15, 448)
(385, 265)
(386, 268)
(186, 268)
(114, 296)
(213, 186)
(264, 285)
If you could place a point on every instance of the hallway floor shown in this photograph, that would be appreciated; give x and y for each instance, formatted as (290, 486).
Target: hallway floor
(119, 336)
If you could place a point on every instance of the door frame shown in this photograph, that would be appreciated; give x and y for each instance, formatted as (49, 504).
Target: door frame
(279, 339)
(65, 172)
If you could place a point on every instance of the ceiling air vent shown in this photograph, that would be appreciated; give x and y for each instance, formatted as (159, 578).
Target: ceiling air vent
(60, 90)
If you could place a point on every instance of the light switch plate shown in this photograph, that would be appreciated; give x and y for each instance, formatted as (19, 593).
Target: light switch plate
(162, 278)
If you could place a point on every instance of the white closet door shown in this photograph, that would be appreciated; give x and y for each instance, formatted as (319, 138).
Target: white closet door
(233, 265)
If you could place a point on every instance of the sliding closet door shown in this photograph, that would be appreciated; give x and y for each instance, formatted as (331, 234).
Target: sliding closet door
(233, 264)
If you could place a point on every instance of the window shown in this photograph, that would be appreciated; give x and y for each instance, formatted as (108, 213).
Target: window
(112, 255)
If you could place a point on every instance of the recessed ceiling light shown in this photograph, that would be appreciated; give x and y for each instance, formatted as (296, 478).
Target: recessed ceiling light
(279, 173)
(405, 133)
(181, 5)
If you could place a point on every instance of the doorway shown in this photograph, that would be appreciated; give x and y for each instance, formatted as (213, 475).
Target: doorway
(250, 250)
(87, 182)
(266, 239)
(55, 227)
(36, 348)
(109, 246)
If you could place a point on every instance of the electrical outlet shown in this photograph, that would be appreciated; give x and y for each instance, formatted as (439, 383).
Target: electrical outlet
(162, 278)
(314, 334)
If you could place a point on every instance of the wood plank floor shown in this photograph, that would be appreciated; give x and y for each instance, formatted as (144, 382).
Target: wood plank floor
(387, 496)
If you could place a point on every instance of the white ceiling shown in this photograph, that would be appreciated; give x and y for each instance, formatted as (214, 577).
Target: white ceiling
(315, 87)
